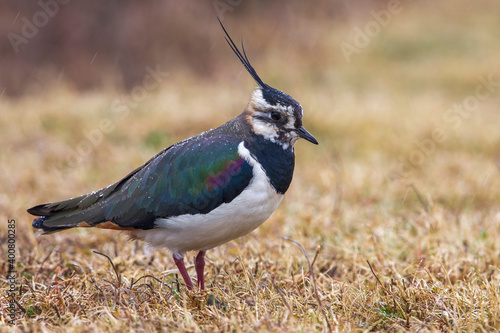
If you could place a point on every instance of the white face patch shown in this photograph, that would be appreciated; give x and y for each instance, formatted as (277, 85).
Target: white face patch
(261, 120)
(257, 100)
(266, 129)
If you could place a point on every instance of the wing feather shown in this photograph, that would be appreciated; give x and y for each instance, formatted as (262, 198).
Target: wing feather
(192, 177)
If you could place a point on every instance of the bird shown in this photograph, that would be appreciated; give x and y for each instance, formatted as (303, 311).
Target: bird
(203, 191)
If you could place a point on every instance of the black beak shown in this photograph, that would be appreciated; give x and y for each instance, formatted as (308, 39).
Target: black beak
(304, 134)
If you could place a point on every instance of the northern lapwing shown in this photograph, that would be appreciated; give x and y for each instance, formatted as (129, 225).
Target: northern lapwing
(201, 192)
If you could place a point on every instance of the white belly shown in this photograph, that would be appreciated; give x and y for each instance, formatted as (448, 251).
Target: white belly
(229, 221)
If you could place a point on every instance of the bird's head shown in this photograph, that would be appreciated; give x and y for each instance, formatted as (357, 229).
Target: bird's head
(272, 114)
(277, 117)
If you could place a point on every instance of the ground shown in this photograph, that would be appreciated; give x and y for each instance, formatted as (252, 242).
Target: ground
(398, 208)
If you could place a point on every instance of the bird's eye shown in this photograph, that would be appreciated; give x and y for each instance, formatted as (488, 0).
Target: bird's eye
(275, 115)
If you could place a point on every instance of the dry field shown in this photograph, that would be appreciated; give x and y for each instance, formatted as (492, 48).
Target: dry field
(398, 208)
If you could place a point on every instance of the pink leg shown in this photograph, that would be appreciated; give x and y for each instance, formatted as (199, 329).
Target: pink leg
(179, 262)
(199, 263)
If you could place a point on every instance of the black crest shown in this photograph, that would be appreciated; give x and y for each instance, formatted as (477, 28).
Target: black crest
(243, 58)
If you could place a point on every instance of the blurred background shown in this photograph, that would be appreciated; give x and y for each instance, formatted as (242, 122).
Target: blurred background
(402, 95)
(91, 45)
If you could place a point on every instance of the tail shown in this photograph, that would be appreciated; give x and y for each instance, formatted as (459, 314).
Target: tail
(83, 211)
(38, 224)
(110, 207)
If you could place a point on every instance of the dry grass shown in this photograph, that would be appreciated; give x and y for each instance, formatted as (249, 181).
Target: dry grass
(415, 252)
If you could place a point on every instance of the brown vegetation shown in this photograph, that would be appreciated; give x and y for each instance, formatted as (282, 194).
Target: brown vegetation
(398, 208)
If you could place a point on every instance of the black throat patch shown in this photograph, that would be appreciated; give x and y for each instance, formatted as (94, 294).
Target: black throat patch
(278, 163)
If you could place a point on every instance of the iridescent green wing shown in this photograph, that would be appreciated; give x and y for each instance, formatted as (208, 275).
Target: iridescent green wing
(193, 177)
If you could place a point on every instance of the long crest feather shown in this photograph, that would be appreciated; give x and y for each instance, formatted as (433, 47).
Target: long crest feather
(243, 58)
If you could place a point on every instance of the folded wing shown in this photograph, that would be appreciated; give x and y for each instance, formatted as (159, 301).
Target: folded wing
(192, 177)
